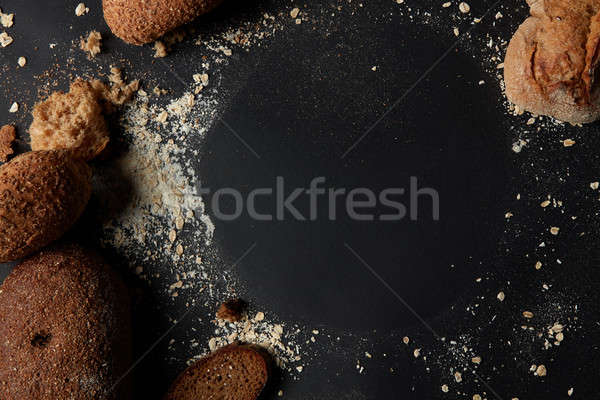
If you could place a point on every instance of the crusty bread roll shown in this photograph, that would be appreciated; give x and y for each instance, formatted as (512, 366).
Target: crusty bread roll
(142, 21)
(551, 61)
(66, 329)
(232, 372)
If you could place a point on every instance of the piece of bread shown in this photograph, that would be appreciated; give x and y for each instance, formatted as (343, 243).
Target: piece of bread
(42, 194)
(8, 134)
(234, 372)
(551, 61)
(143, 21)
(231, 310)
(65, 329)
(73, 120)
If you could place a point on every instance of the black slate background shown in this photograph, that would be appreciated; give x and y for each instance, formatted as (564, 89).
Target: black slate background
(301, 101)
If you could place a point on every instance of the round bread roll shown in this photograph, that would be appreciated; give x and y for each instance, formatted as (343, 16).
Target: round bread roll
(143, 21)
(551, 61)
(42, 194)
(65, 329)
(235, 371)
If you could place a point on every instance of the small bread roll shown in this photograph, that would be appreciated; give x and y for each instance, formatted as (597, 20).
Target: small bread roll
(143, 21)
(551, 61)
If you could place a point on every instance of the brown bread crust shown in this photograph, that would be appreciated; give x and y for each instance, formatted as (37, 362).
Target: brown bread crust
(8, 134)
(551, 61)
(65, 328)
(139, 22)
(233, 372)
(42, 194)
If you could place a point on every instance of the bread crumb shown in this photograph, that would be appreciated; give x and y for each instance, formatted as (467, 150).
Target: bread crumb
(160, 50)
(22, 61)
(14, 107)
(162, 117)
(119, 91)
(259, 316)
(540, 371)
(298, 21)
(7, 138)
(280, 393)
(294, 13)
(554, 230)
(570, 392)
(445, 388)
(500, 296)
(568, 142)
(81, 9)
(231, 310)
(6, 20)
(5, 39)
(92, 44)
(458, 377)
(594, 185)
(528, 314)
(464, 7)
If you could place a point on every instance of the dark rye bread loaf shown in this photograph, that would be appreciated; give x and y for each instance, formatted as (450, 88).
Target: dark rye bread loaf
(143, 21)
(42, 194)
(234, 372)
(64, 329)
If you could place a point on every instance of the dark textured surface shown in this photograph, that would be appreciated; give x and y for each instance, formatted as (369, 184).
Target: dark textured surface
(302, 99)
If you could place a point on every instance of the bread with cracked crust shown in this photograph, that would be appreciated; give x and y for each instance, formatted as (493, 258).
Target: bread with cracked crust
(551, 62)
(143, 21)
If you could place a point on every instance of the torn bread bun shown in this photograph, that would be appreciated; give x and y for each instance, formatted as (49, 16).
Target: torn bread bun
(143, 21)
(551, 61)
(72, 120)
